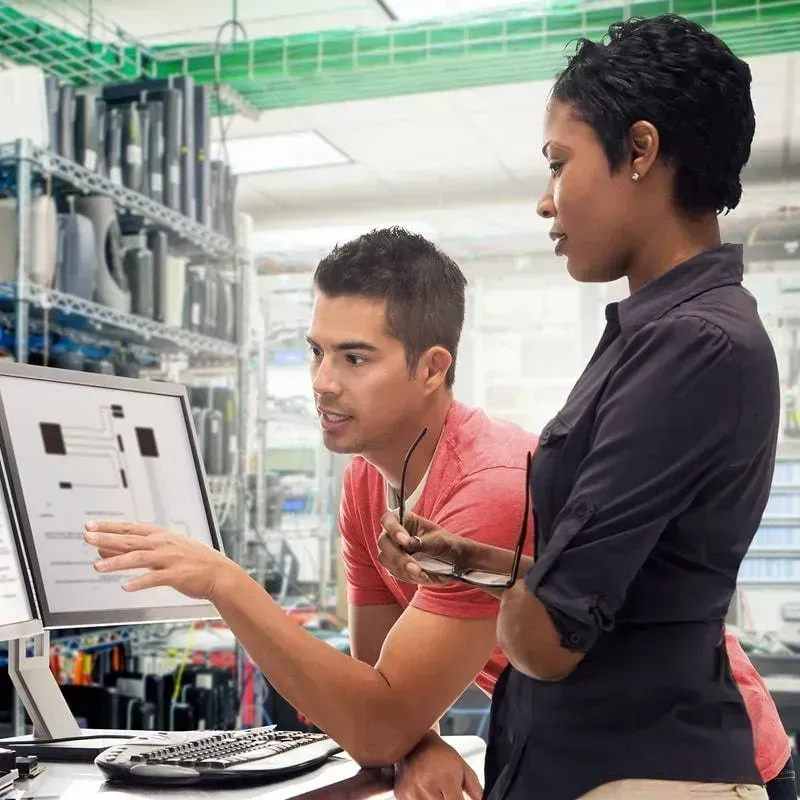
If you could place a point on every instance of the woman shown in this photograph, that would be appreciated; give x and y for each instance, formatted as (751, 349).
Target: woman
(649, 484)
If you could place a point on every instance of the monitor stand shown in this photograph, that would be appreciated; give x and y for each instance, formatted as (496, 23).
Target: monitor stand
(52, 719)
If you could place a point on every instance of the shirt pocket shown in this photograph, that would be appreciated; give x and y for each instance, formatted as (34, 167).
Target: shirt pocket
(550, 478)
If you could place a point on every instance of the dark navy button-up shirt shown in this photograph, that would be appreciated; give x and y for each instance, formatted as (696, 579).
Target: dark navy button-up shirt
(648, 488)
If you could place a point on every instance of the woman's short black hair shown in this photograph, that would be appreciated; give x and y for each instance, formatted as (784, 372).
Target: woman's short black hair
(684, 80)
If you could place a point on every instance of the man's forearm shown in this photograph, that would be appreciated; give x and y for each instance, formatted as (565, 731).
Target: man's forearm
(351, 701)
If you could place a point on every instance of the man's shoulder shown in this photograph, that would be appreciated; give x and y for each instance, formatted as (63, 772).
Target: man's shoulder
(359, 473)
(479, 442)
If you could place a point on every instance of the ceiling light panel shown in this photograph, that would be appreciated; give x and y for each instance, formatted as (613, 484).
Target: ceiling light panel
(417, 10)
(278, 152)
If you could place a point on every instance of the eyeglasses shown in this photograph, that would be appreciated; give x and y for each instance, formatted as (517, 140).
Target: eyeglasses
(475, 577)
(402, 509)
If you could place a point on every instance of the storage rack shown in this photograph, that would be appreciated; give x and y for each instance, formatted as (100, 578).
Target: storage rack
(21, 162)
(773, 560)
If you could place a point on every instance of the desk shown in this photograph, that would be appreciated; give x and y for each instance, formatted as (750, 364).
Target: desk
(339, 779)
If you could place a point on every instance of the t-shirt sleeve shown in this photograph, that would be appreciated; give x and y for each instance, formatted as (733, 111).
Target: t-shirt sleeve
(365, 587)
(487, 507)
(771, 742)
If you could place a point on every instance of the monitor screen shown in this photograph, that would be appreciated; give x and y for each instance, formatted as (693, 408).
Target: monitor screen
(84, 447)
(16, 602)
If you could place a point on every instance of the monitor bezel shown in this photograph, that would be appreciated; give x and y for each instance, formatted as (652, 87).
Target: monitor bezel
(52, 618)
(33, 625)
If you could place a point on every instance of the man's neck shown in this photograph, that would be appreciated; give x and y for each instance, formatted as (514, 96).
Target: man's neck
(389, 462)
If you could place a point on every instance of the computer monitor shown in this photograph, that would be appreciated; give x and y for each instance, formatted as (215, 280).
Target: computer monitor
(83, 447)
(77, 447)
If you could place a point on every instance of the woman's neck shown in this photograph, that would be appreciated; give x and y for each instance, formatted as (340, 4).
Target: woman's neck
(673, 241)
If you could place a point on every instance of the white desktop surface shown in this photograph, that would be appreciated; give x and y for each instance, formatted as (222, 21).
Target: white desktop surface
(339, 779)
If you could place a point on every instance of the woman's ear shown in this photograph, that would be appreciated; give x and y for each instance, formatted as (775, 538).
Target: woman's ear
(644, 143)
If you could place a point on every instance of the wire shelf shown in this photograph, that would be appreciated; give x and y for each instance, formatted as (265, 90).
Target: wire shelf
(48, 163)
(72, 311)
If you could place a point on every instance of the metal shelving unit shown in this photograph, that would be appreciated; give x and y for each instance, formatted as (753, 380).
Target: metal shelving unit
(21, 165)
(773, 560)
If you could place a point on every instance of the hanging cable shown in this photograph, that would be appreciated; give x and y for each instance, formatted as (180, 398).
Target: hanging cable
(235, 27)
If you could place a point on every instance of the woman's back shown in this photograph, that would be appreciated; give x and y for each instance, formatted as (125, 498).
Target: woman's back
(648, 487)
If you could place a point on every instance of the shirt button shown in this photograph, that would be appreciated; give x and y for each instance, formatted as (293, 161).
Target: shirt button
(575, 638)
(582, 511)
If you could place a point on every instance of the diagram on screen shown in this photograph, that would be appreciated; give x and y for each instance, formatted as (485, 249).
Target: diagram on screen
(111, 457)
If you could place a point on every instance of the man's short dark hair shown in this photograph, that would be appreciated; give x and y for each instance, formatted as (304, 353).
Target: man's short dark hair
(685, 81)
(423, 288)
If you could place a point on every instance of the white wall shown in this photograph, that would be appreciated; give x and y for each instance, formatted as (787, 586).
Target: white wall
(530, 330)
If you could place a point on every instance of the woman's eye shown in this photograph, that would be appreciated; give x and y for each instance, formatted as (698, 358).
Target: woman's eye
(555, 167)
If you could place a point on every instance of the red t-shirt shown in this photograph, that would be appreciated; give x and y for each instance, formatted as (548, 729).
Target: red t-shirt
(476, 488)
(771, 741)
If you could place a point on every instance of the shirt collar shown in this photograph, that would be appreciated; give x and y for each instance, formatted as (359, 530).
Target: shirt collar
(722, 266)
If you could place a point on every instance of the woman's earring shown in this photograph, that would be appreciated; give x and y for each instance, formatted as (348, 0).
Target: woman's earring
(635, 176)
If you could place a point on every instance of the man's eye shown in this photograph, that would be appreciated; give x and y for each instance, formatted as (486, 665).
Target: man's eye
(355, 360)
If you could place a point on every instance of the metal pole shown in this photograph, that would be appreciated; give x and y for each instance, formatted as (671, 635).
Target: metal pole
(243, 265)
(324, 481)
(24, 159)
(19, 716)
(261, 432)
(243, 392)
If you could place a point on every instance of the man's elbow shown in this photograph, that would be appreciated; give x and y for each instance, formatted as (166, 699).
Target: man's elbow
(370, 753)
(381, 745)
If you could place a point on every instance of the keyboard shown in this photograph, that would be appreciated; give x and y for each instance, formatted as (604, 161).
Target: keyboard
(256, 755)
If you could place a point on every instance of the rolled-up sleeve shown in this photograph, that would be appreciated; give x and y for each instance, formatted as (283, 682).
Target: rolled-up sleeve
(670, 411)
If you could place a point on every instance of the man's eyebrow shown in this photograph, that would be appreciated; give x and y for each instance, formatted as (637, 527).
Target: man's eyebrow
(355, 344)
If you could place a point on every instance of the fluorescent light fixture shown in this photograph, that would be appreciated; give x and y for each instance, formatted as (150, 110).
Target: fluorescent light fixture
(417, 10)
(278, 152)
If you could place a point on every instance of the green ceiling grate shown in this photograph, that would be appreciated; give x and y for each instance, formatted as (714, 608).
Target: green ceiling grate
(333, 66)
(65, 41)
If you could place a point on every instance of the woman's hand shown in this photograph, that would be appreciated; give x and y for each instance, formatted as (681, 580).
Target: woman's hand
(399, 544)
(192, 568)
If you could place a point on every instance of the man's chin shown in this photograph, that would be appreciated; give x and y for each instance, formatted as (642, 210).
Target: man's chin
(338, 444)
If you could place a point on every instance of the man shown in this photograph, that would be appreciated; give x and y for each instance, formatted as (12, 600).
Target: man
(384, 338)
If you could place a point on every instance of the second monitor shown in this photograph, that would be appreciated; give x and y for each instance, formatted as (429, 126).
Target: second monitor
(18, 617)
(85, 447)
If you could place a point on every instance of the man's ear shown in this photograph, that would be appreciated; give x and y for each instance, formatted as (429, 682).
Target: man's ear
(433, 366)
